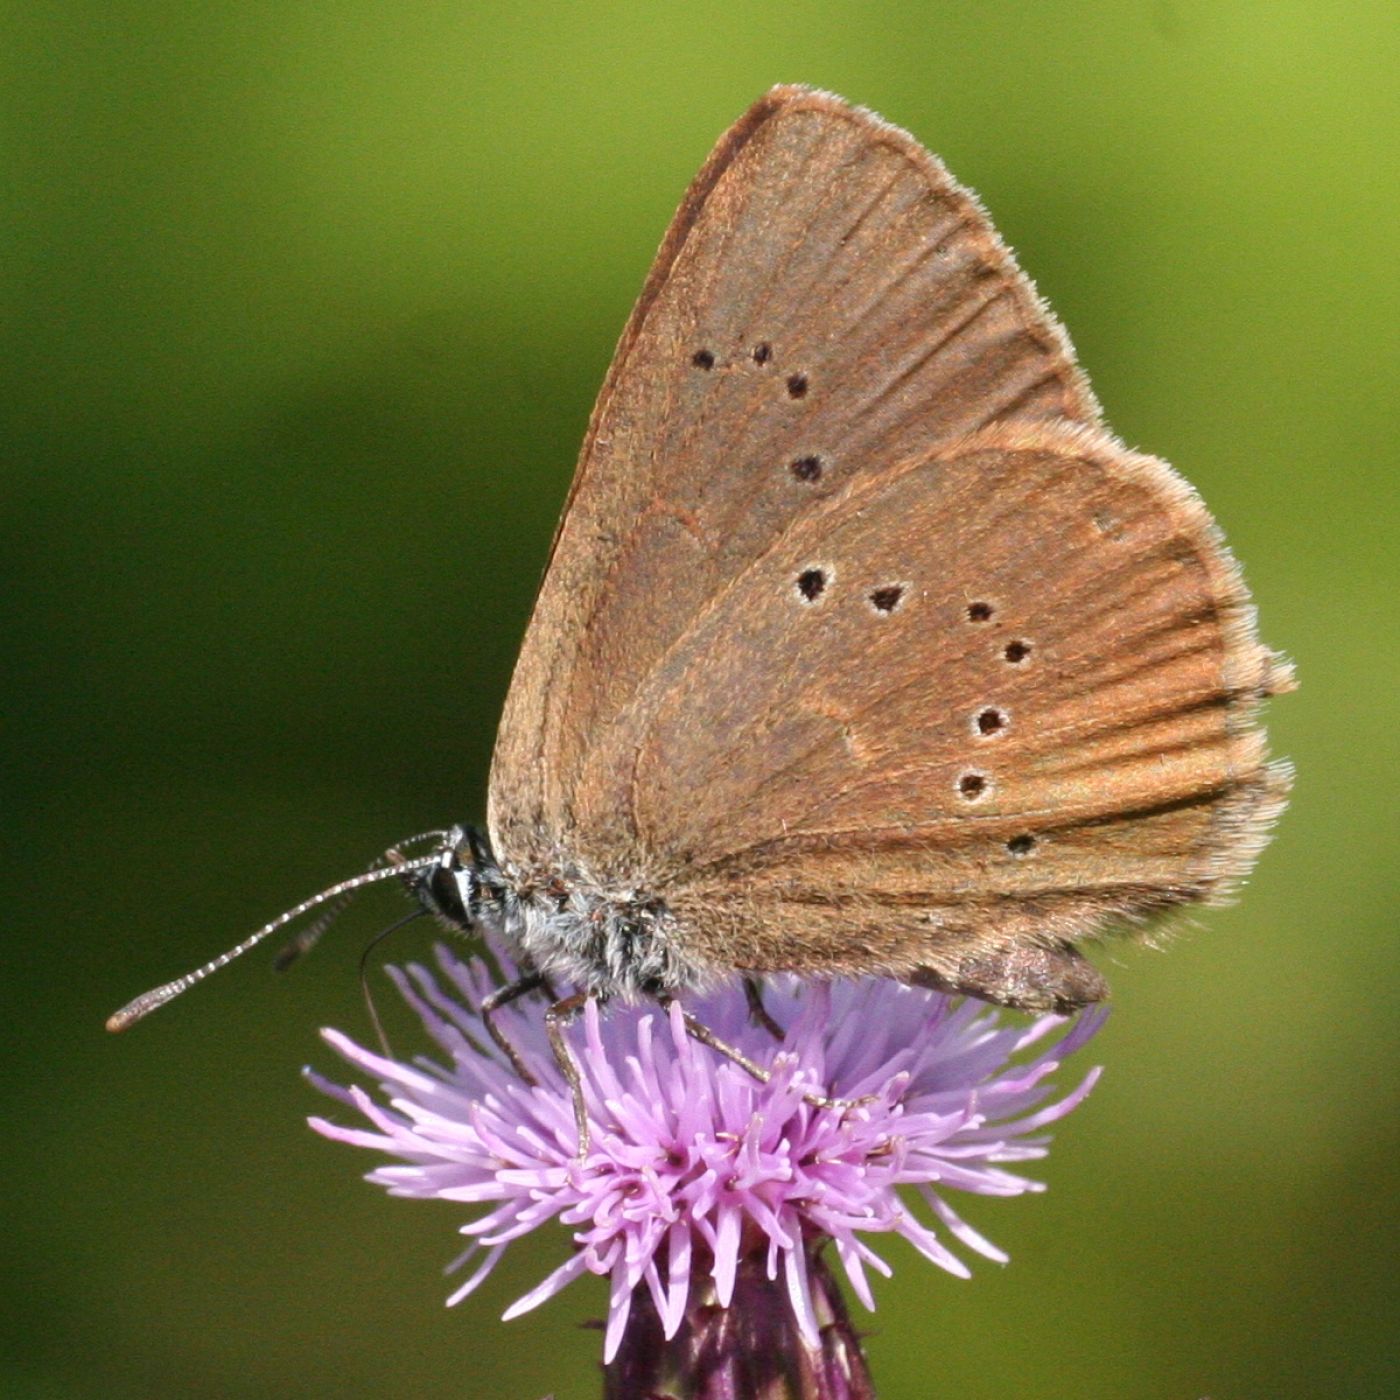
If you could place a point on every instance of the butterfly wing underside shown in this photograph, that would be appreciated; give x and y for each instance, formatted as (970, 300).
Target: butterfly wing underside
(860, 637)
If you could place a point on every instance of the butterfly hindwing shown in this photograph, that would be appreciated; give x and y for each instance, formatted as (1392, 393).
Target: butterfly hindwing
(1021, 705)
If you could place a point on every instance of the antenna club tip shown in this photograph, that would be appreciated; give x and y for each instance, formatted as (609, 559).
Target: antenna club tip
(137, 1010)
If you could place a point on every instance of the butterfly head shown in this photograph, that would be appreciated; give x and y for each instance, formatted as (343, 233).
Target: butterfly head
(463, 886)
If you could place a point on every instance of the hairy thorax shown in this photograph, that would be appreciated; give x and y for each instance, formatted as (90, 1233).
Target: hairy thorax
(614, 941)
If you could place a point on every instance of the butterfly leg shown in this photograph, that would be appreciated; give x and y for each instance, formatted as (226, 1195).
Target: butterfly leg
(503, 996)
(698, 1030)
(758, 1013)
(557, 1020)
(1029, 977)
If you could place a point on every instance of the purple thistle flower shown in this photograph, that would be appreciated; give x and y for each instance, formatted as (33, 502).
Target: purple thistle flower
(696, 1171)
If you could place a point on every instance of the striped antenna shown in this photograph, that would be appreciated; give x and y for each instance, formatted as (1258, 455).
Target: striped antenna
(147, 1002)
(306, 939)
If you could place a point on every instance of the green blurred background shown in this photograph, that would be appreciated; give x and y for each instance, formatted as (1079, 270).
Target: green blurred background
(305, 306)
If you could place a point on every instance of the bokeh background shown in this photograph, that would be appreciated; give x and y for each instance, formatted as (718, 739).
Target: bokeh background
(305, 306)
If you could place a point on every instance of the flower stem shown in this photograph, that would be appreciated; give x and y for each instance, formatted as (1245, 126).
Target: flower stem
(751, 1350)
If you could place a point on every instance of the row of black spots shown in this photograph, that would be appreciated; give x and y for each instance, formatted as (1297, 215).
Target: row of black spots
(973, 786)
(811, 583)
(1014, 653)
(990, 722)
(797, 383)
(761, 354)
(807, 468)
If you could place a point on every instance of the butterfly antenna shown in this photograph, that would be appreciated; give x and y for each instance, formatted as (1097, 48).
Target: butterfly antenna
(147, 1002)
(299, 946)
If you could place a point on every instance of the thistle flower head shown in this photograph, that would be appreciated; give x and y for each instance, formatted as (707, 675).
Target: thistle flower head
(695, 1166)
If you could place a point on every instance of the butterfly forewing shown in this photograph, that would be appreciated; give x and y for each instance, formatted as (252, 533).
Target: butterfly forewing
(827, 302)
(862, 644)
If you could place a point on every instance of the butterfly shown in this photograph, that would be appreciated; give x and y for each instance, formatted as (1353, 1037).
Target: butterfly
(864, 647)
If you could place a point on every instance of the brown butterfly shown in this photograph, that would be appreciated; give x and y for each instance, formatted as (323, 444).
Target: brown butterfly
(864, 647)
